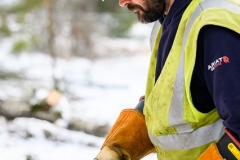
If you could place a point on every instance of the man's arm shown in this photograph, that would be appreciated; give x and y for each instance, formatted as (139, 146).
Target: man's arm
(218, 55)
(220, 50)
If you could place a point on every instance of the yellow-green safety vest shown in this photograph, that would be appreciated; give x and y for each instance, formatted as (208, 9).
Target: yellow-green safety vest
(176, 128)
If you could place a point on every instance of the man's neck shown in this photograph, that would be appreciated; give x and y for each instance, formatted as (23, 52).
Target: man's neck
(169, 5)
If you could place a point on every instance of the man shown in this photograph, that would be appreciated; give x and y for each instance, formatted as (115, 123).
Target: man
(193, 85)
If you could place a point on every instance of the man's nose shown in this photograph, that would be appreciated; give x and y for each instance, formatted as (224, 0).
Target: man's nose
(124, 3)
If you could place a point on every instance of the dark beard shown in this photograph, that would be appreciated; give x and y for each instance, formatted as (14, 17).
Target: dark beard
(154, 10)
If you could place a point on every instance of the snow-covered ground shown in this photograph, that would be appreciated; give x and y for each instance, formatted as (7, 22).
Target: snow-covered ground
(106, 86)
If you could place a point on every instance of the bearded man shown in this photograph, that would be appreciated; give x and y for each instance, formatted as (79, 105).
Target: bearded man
(191, 106)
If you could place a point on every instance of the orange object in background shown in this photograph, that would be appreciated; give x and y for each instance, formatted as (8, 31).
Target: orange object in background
(53, 97)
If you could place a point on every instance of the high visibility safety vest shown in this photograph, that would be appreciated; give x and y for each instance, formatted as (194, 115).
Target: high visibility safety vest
(176, 128)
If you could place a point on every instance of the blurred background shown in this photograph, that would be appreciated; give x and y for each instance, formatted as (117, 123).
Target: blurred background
(67, 69)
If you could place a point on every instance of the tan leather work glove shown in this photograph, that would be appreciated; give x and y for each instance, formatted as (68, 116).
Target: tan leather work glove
(128, 138)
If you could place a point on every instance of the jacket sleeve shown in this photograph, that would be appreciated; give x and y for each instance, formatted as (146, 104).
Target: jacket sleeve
(218, 49)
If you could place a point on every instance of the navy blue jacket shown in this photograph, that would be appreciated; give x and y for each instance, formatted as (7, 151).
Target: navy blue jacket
(216, 77)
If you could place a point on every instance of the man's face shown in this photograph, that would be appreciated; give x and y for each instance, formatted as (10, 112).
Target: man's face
(146, 10)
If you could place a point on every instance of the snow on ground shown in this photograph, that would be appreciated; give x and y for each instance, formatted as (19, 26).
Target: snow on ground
(106, 86)
(44, 141)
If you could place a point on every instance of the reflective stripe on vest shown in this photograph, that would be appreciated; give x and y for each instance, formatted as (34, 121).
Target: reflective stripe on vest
(181, 141)
(172, 120)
